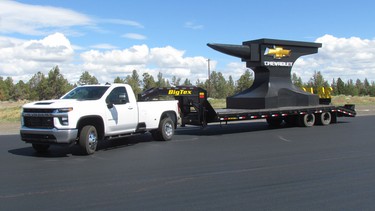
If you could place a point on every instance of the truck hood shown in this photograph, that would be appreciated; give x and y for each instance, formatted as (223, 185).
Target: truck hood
(58, 103)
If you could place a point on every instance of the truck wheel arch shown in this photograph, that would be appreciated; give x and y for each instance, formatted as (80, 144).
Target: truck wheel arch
(96, 121)
(170, 114)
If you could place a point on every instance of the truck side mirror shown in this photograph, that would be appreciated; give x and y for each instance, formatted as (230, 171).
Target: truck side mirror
(109, 105)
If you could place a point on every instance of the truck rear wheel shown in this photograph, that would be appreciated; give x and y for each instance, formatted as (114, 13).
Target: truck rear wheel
(88, 139)
(307, 120)
(165, 131)
(324, 118)
(41, 148)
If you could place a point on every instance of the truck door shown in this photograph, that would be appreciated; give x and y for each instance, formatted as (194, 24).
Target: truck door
(122, 115)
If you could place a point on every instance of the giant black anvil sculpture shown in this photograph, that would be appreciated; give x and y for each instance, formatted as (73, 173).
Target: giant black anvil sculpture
(272, 61)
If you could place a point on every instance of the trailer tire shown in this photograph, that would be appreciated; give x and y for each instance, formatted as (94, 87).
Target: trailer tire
(41, 148)
(274, 122)
(307, 120)
(324, 118)
(165, 131)
(88, 139)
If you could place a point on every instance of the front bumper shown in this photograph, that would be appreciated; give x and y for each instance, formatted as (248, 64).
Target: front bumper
(51, 136)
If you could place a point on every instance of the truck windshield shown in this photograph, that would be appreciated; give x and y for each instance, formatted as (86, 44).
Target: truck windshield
(86, 93)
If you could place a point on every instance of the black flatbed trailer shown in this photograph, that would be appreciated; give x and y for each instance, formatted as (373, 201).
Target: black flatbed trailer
(195, 109)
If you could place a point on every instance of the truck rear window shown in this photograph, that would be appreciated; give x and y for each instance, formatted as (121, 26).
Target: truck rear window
(86, 93)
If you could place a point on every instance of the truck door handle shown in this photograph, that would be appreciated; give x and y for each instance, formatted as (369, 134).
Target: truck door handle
(130, 108)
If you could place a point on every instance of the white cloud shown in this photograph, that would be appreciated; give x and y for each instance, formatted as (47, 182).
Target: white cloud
(134, 36)
(22, 58)
(347, 58)
(27, 19)
(124, 22)
(135, 55)
(104, 46)
(167, 60)
(192, 25)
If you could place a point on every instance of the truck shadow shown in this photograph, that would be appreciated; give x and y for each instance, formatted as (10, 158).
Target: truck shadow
(75, 150)
(217, 129)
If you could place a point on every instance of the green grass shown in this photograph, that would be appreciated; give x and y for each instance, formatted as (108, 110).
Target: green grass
(10, 111)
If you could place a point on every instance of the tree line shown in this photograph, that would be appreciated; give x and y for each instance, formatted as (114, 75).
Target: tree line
(54, 85)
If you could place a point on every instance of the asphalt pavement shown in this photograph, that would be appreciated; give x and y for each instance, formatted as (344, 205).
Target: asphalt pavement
(245, 166)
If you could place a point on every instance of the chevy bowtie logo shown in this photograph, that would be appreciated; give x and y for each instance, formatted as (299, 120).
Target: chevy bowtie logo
(277, 52)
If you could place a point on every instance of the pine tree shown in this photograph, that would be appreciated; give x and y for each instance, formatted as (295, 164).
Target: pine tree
(340, 86)
(245, 81)
(297, 81)
(118, 80)
(148, 81)
(187, 82)
(87, 79)
(230, 86)
(134, 81)
(57, 85)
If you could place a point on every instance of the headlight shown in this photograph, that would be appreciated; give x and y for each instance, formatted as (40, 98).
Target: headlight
(64, 110)
(63, 118)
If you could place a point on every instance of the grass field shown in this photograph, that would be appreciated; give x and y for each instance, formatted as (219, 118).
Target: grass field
(10, 110)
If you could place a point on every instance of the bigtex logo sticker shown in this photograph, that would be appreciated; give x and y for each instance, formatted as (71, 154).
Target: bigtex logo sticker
(277, 52)
(179, 92)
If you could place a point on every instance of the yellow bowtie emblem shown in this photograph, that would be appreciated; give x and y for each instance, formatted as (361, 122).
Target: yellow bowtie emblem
(277, 52)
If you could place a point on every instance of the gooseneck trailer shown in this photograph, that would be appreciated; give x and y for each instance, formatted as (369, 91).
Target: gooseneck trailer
(195, 109)
(272, 96)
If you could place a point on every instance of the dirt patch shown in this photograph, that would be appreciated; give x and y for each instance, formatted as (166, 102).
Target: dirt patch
(363, 110)
(7, 128)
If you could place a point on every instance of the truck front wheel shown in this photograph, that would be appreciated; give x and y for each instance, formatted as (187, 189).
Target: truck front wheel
(165, 131)
(88, 139)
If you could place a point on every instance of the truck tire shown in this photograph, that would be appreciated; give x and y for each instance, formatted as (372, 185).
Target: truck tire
(41, 148)
(274, 122)
(165, 131)
(88, 139)
(324, 118)
(307, 120)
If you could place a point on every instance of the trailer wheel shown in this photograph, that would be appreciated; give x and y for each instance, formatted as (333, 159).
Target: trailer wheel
(41, 148)
(165, 131)
(324, 118)
(274, 122)
(88, 139)
(307, 120)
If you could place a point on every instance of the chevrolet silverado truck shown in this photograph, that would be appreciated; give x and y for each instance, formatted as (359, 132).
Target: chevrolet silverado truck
(90, 113)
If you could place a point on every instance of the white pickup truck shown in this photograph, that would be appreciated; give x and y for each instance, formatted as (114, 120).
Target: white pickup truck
(91, 113)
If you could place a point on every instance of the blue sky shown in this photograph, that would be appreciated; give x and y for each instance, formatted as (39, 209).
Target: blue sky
(111, 38)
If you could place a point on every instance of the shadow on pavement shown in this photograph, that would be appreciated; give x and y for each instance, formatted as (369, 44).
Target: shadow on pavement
(56, 151)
